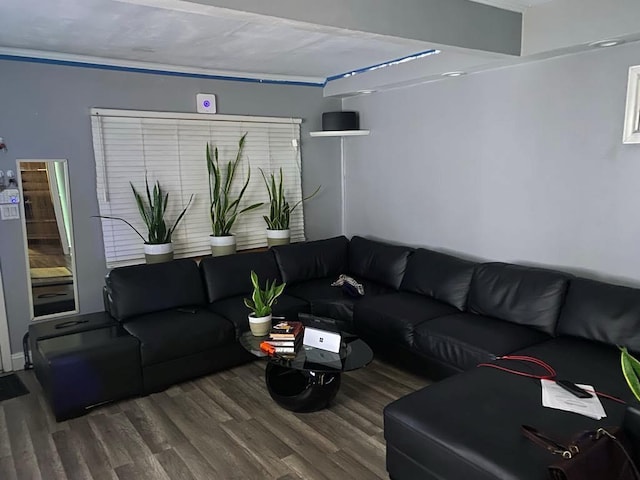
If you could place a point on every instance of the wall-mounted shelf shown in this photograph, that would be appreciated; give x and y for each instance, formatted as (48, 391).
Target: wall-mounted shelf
(339, 133)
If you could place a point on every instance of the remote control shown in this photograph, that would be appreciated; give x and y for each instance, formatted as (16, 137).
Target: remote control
(573, 388)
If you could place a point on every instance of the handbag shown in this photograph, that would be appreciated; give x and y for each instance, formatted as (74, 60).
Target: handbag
(592, 455)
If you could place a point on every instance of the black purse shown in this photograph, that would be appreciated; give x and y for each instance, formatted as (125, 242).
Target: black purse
(592, 455)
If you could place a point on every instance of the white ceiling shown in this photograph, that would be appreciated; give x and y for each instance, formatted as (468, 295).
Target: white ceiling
(195, 36)
(217, 40)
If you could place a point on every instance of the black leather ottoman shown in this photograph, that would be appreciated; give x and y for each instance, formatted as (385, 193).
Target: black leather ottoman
(87, 368)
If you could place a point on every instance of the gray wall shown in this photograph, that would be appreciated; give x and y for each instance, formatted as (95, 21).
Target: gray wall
(44, 113)
(522, 164)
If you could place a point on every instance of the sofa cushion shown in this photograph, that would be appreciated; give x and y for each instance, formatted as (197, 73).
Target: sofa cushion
(229, 275)
(309, 260)
(518, 294)
(333, 302)
(141, 289)
(464, 340)
(394, 317)
(603, 312)
(377, 261)
(443, 277)
(468, 426)
(177, 333)
(234, 310)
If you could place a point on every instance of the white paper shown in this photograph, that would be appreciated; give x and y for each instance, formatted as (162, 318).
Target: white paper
(554, 396)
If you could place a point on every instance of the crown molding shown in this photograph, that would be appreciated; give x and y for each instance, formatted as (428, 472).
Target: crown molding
(88, 61)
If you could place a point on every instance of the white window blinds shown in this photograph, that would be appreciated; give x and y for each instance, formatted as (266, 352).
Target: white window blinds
(170, 148)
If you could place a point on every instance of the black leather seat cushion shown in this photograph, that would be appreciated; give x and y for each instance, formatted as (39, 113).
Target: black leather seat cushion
(319, 259)
(468, 425)
(230, 275)
(378, 261)
(603, 312)
(525, 295)
(141, 289)
(173, 334)
(234, 310)
(394, 317)
(333, 302)
(440, 276)
(465, 340)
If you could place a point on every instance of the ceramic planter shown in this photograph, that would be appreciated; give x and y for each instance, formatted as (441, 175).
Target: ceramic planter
(260, 326)
(158, 253)
(222, 245)
(278, 237)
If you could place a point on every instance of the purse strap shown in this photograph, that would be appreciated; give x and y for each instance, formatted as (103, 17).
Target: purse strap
(548, 443)
(601, 431)
(568, 452)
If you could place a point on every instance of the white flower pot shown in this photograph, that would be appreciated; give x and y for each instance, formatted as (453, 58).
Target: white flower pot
(158, 253)
(222, 245)
(260, 326)
(278, 237)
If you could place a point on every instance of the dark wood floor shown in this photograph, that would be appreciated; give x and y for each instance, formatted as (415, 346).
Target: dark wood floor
(223, 426)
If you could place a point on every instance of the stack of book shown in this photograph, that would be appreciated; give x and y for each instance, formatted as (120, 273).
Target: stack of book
(284, 338)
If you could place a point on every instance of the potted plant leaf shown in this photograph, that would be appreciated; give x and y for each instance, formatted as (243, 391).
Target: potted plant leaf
(280, 211)
(224, 207)
(631, 421)
(260, 305)
(157, 246)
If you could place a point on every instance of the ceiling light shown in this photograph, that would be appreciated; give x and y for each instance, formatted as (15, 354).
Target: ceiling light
(454, 74)
(365, 92)
(606, 43)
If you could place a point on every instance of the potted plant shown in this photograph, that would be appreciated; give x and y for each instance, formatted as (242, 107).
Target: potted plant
(631, 421)
(278, 232)
(260, 305)
(157, 246)
(224, 207)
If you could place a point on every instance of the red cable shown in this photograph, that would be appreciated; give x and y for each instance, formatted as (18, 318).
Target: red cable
(550, 376)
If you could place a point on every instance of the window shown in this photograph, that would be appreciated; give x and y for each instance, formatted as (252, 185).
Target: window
(170, 148)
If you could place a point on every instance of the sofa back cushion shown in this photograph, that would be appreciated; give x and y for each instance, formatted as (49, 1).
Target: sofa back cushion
(229, 276)
(443, 277)
(377, 261)
(318, 259)
(602, 312)
(524, 295)
(141, 289)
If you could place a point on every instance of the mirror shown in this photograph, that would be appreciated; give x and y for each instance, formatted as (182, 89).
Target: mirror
(48, 237)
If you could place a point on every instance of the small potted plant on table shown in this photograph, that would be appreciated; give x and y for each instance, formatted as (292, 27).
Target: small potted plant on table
(158, 246)
(260, 305)
(278, 232)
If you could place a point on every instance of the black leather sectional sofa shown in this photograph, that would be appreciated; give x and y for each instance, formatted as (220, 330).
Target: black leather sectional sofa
(433, 312)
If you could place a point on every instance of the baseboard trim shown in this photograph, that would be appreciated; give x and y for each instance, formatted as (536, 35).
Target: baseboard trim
(17, 361)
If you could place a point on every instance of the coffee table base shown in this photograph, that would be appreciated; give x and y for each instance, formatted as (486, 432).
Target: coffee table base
(301, 390)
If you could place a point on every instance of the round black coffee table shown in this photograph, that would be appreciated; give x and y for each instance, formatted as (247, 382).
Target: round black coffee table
(309, 380)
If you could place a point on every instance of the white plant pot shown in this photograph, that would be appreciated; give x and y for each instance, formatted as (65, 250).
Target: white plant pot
(278, 237)
(260, 326)
(222, 245)
(158, 253)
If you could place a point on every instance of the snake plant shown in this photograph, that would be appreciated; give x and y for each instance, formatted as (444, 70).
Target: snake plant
(152, 211)
(223, 205)
(262, 300)
(631, 371)
(279, 209)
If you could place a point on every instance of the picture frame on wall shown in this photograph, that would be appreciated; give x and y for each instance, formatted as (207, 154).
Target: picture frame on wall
(632, 111)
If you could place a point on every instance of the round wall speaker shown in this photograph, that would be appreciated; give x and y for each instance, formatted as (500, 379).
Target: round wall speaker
(340, 121)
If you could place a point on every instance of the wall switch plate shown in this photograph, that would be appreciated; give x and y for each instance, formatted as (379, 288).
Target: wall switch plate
(9, 212)
(206, 103)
